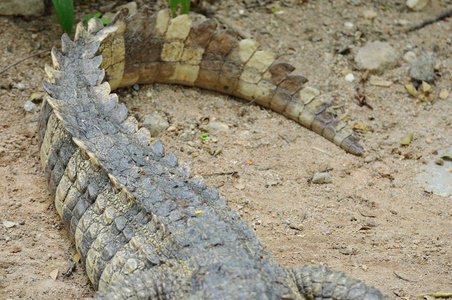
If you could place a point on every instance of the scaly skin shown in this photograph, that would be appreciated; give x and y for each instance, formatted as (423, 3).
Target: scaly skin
(144, 226)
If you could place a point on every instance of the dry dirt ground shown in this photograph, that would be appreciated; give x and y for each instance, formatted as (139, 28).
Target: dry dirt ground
(375, 221)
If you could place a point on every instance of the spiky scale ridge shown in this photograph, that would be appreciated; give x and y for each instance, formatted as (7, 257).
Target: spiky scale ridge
(144, 226)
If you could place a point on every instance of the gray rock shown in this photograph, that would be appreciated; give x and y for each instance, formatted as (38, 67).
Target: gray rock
(423, 68)
(376, 57)
(30, 107)
(155, 124)
(22, 7)
(321, 178)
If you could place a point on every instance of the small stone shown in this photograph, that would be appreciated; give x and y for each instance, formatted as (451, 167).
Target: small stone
(369, 14)
(439, 161)
(368, 159)
(376, 57)
(171, 128)
(349, 25)
(416, 5)
(20, 86)
(131, 6)
(155, 124)
(349, 251)
(136, 87)
(349, 77)
(30, 107)
(54, 274)
(327, 56)
(443, 94)
(215, 126)
(149, 94)
(409, 56)
(321, 178)
(423, 68)
(9, 224)
(187, 136)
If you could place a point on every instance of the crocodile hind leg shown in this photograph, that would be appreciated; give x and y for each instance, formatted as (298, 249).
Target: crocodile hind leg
(319, 282)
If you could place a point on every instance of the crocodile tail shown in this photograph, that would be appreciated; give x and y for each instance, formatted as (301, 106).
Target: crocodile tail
(319, 282)
(155, 48)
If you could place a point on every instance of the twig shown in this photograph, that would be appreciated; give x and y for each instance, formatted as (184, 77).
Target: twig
(221, 174)
(19, 61)
(403, 278)
(446, 14)
(323, 151)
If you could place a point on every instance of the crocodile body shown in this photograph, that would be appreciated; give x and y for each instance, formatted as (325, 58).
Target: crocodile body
(144, 226)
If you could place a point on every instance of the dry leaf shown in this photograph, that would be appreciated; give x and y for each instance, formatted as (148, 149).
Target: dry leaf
(411, 89)
(425, 87)
(76, 257)
(406, 139)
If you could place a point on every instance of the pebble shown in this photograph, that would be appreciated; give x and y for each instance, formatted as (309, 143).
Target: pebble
(349, 25)
(423, 68)
(136, 87)
(443, 94)
(215, 126)
(439, 161)
(409, 56)
(149, 94)
(187, 136)
(19, 86)
(30, 107)
(416, 5)
(369, 14)
(376, 57)
(349, 77)
(321, 178)
(155, 124)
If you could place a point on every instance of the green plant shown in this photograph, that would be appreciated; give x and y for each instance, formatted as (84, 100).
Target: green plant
(65, 13)
(98, 15)
(184, 6)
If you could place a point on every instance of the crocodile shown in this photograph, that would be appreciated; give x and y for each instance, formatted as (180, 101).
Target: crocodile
(144, 226)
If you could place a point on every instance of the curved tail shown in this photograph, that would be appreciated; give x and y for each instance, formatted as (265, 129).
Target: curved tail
(148, 48)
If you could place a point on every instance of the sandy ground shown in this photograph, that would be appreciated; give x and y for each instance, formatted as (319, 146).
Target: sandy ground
(376, 221)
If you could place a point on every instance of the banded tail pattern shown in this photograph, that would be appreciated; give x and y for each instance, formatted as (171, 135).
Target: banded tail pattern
(150, 48)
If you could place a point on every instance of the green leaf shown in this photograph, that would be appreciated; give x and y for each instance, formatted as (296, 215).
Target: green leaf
(185, 6)
(65, 13)
(97, 15)
(204, 136)
(87, 18)
(105, 21)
